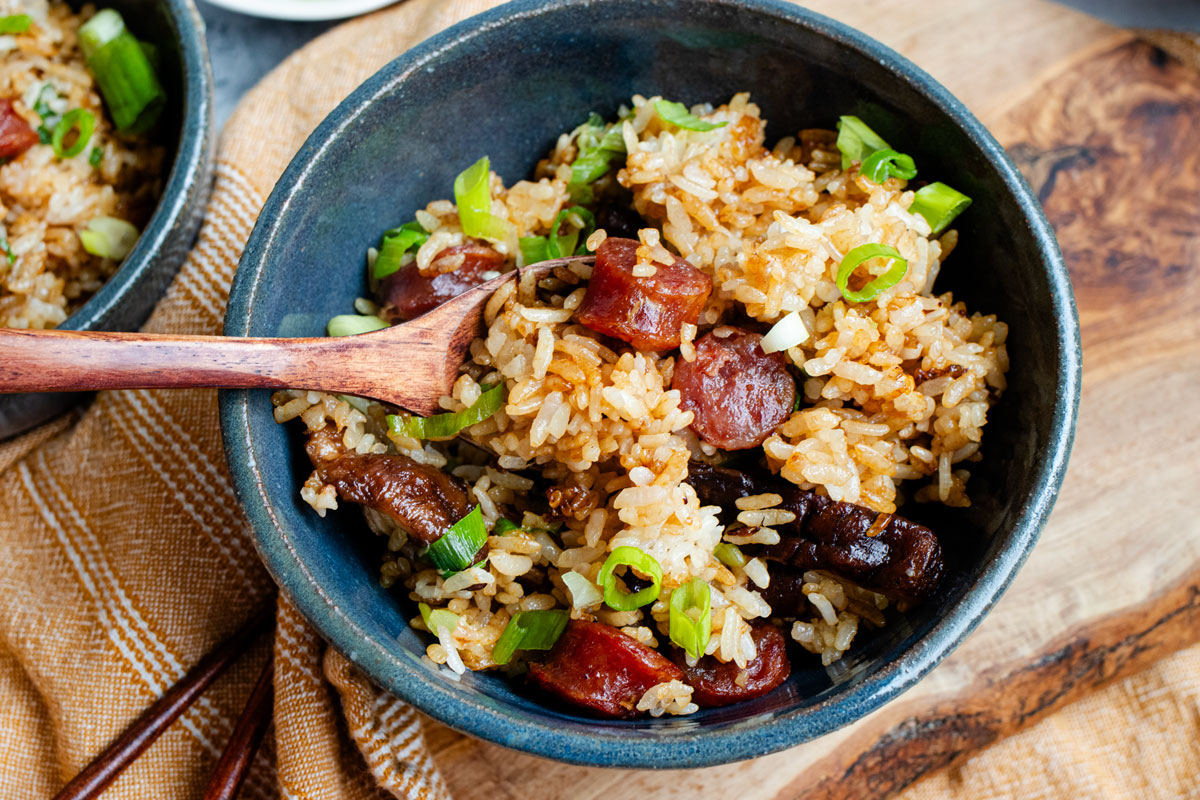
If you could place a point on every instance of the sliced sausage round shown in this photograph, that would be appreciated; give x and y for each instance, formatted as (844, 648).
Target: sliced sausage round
(16, 135)
(715, 683)
(598, 668)
(738, 394)
(407, 294)
(646, 311)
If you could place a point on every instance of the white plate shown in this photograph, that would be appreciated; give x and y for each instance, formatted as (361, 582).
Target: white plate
(302, 9)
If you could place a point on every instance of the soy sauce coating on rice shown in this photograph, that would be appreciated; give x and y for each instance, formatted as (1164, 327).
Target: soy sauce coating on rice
(738, 394)
(647, 311)
(715, 683)
(408, 293)
(884, 552)
(422, 500)
(597, 667)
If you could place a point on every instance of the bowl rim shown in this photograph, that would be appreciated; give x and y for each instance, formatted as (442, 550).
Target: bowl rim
(192, 162)
(597, 747)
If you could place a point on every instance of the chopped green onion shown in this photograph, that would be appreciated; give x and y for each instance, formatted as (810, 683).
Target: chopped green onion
(108, 237)
(503, 526)
(126, 77)
(887, 163)
(352, 324)
(690, 620)
(584, 593)
(394, 244)
(41, 107)
(857, 141)
(730, 555)
(15, 23)
(534, 249)
(644, 563)
(939, 205)
(455, 550)
(880, 284)
(447, 426)
(437, 618)
(560, 246)
(785, 334)
(473, 195)
(529, 630)
(677, 114)
(83, 122)
(595, 156)
(95, 157)
(798, 403)
(8, 253)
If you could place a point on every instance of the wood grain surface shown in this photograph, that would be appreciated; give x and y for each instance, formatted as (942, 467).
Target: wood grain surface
(1107, 130)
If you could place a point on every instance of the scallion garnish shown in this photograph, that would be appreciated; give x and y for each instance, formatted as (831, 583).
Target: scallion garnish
(437, 618)
(503, 526)
(730, 555)
(8, 253)
(939, 205)
(534, 249)
(394, 244)
(95, 157)
(41, 107)
(678, 115)
(15, 23)
(594, 159)
(108, 237)
(447, 426)
(880, 284)
(125, 75)
(529, 630)
(80, 120)
(887, 163)
(690, 618)
(856, 140)
(584, 593)
(455, 550)
(352, 324)
(473, 196)
(559, 246)
(645, 565)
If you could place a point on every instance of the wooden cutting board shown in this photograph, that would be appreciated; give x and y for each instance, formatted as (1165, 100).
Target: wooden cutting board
(1107, 130)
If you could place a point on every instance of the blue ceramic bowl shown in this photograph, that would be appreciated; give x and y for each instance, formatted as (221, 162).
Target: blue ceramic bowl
(126, 299)
(505, 84)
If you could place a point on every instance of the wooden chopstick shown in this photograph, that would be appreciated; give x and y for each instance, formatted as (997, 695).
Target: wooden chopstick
(247, 736)
(157, 718)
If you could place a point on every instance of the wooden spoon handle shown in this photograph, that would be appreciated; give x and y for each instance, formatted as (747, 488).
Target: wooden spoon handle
(51, 361)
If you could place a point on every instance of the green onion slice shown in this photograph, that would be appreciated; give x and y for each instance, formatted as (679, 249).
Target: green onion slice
(95, 157)
(8, 253)
(559, 246)
(529, 630)
(644, 563)
(857, 141)
(473, 195)
(455, 550)
(880, 284)
(534, 249)
(80, 120)
(126, 77)
(394, 244)
(678, 115)
(447, 426)
(597, 149)
(503, 526)
(690, 620)
(939, 205)
(887, 163)
(351, 324)
(730, 555)
(438, 618)
(109, 237)
(15, 23)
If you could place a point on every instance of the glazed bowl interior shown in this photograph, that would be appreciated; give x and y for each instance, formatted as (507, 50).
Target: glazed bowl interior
(175, 29)
(505, 85)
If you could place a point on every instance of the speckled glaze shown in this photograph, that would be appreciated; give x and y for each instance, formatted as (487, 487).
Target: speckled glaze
(126, 299)
(505, 84)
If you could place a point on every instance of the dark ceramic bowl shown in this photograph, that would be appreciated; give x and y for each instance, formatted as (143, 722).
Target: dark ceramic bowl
(505, 84)
(126, 299)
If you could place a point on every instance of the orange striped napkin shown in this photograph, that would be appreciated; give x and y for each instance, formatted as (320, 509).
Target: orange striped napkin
(125, 559)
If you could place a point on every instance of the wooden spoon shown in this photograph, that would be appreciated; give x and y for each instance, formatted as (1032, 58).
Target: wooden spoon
(411, 365)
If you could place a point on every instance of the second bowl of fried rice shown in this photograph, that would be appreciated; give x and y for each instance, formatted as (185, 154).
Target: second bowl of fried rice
(767, 460)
